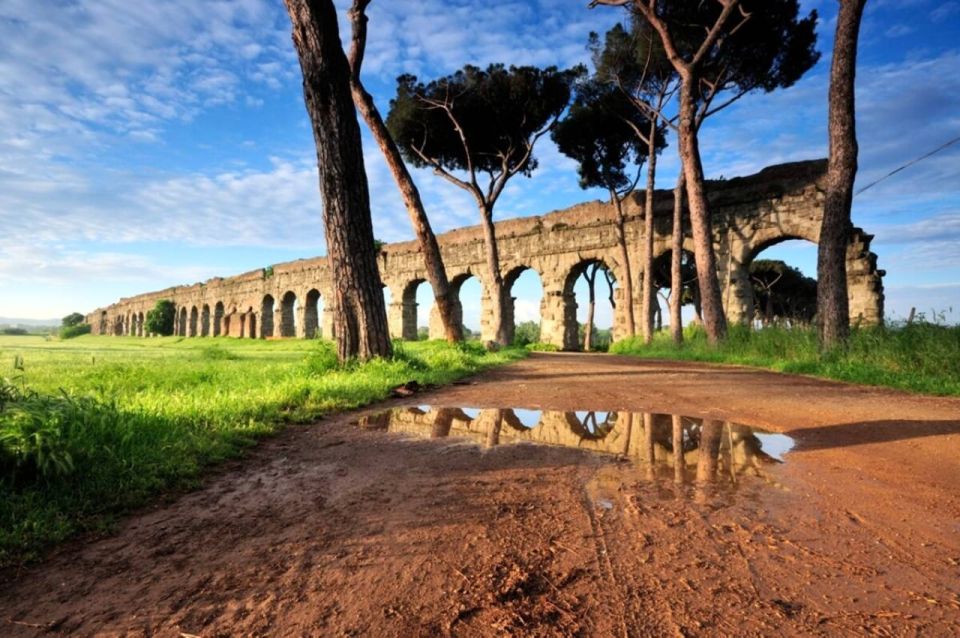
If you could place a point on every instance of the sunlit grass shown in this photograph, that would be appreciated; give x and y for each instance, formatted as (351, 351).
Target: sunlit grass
(93, 426)
(922, 357)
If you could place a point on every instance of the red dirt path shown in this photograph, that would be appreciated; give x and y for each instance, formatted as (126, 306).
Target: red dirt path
(333, 530)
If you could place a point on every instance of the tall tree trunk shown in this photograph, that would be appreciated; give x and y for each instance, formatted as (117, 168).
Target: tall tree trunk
(833, 312)
(360, 318)
(591, 305)
(676, 263)
(433, 260)
(494, 283)
(707, 457)
(714, 320)
(647, 298)
(617, 201)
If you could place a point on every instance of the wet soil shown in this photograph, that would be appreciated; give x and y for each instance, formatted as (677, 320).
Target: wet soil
(343, 530)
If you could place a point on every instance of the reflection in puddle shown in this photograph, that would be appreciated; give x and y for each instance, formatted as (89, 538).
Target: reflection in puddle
(684, 448)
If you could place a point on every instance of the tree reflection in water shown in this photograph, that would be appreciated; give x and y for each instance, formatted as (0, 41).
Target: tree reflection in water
(667, 445)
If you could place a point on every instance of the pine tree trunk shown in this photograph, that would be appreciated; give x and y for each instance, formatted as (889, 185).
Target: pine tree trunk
(714, 321)
(591, 306)
(647, 294)
(494, 283)
(676, 263)
(433, 260)
(833, 313)
(625, 257)
(360, 318)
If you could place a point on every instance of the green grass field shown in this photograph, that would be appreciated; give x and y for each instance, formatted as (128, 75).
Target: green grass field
(922, 357)
(93, 426)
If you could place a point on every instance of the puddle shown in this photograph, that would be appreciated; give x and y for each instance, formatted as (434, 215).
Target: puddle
(687, 449)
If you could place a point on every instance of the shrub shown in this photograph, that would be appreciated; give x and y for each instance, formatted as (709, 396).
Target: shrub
(159, 320)
(69, 332)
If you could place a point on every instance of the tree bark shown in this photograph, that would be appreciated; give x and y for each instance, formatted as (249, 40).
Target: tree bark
(714, 321)
(494, 283)
(625, 257)
(591, 305)
(433, 260)
(676, 263)
(833, 312)
(359, 315)
(647, 293)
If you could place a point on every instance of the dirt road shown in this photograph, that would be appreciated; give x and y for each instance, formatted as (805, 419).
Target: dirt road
(342, 530)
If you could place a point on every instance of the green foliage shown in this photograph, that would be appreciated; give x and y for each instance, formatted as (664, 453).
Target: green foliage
(160, 319)
(499, 110)
(378, 246)
(73, 319)
(599, 133)
(423, 333)
(541, 347)
(69, 332)
(782, 292)
(922, 357)
(268, 272)
(101, 424)
(772, 49)
(526, 333)
(14, 331)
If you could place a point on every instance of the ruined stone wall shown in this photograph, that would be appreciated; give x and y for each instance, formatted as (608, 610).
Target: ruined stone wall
(749, 214)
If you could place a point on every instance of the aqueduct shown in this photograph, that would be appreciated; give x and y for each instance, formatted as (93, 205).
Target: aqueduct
(749, 214)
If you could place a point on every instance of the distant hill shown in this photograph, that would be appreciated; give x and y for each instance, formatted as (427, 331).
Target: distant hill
(13, 321)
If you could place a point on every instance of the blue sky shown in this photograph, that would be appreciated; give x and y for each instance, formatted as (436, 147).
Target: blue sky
(146, 144)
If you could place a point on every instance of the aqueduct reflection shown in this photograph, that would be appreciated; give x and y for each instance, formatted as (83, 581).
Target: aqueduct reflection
(685, 448)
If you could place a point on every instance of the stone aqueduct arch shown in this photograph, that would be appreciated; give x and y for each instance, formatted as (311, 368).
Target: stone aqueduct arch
(749, 214)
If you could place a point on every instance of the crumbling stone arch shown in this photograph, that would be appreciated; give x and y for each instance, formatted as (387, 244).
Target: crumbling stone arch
(408, 307)
(571, 327)
(781, 201)
(510, 302)
(311, 314)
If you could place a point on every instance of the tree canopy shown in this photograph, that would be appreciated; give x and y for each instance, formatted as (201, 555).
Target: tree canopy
(782, 291)
(599, 133)
(478, 120)
(159, 319)
(73, 319)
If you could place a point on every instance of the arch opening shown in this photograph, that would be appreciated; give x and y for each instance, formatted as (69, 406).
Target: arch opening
(194, 321)
(663, 289)
(218, 323)
(140, 325)
(182, 324)
(781, 286)
(205, 320)
(523, 288)
(590, 299)
(266, 312)
(468, 304)
(288, 314)
(416, 310)
(312, 311)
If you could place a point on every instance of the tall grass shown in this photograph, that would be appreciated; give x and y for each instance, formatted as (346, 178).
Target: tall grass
(922, 357)
(94, 426)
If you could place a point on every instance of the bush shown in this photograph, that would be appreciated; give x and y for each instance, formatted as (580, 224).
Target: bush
(69, 332)
(159, 319)
(14, 331)
(541, 347)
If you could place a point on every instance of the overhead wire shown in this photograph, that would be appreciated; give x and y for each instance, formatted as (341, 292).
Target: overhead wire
(909, 164)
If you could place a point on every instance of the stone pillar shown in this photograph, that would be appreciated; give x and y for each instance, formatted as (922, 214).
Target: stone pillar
(435, 326)
(864, 281)
(738, 301)
(301, 321)
(327, 322)
(397, 317)
(553, 311)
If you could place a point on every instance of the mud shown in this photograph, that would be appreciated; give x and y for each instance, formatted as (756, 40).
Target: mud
(348, 528)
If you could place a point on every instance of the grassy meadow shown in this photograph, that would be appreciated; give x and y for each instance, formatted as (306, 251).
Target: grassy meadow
(922, 357)
(92, 426)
